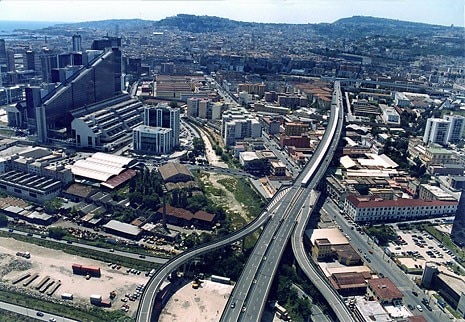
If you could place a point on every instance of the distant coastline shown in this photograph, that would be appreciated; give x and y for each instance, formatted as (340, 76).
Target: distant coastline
(9, 26)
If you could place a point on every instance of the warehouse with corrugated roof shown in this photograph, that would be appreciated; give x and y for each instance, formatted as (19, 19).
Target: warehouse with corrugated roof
(107, 169)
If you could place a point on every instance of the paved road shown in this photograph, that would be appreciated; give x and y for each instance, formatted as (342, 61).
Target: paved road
(249, 296)
(144, 312)
(298, 247)
(33, 313)
(381, 263)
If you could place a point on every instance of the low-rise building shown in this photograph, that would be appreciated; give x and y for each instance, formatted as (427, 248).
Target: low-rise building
(29, 186)
(429, 192)
(349, 284)
(152, 140)
(365, 209)
(385, 291)
(122, 229)
(175, 172)
(389, 114)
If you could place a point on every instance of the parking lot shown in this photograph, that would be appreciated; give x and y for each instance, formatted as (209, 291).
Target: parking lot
(419, 245)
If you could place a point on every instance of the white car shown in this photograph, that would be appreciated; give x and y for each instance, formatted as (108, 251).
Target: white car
(419, 308)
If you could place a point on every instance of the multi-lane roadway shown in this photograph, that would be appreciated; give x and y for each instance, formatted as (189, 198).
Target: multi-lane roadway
(248, 298)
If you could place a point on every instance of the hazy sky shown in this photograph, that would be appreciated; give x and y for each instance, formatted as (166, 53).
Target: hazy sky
(443, 12)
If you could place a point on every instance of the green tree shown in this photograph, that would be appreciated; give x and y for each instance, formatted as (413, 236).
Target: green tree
(53, 206)
(57, 232)
(3, 220)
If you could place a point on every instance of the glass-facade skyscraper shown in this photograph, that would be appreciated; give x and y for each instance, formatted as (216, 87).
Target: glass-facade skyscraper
(94, 82)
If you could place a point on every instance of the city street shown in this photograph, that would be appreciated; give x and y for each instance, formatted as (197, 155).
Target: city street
(381, 263)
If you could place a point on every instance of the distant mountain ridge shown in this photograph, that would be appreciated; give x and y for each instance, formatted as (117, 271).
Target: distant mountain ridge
(350, 28)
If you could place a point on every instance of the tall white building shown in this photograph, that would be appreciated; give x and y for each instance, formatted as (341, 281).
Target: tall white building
(238, 124)
(456, 129)
(445, 130)
(436, 131)
(166, 117)
(203, 108)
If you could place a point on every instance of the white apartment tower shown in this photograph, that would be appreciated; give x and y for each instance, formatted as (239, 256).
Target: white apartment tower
(445, 130)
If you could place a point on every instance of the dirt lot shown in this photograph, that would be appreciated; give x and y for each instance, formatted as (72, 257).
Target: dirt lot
(227, 199)
(203, 304)
(57, 265)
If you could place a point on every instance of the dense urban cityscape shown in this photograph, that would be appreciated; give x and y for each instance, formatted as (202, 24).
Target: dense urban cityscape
(205, 168)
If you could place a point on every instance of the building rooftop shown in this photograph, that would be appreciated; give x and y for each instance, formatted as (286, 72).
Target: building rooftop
(122, 227)
(334, 235)
(385, 289)
(172, 169)
(364, 202)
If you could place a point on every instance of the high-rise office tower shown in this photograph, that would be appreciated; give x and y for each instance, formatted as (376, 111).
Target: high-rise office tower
(77, 40)
(3, 58)
(48, 61)
(99, 81)
(166, 117)
(445, 130)
(30, 60)
(10, 60)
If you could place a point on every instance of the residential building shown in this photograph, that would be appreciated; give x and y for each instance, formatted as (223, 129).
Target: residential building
(203, 108)
(429, 192)
(238, 124)
(257, 89)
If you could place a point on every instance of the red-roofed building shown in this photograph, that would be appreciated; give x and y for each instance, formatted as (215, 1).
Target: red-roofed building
(349, 284)
(385, 291)
(118, 180)
(182, 217)
(367, 209)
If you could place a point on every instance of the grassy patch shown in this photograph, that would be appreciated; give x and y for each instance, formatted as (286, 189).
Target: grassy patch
(217, 192)
(7, 132)
(8, 316)
(34, 304)
(453, 312)
(244, 194)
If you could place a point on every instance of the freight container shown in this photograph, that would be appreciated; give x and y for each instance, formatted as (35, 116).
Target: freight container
(67, 296)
